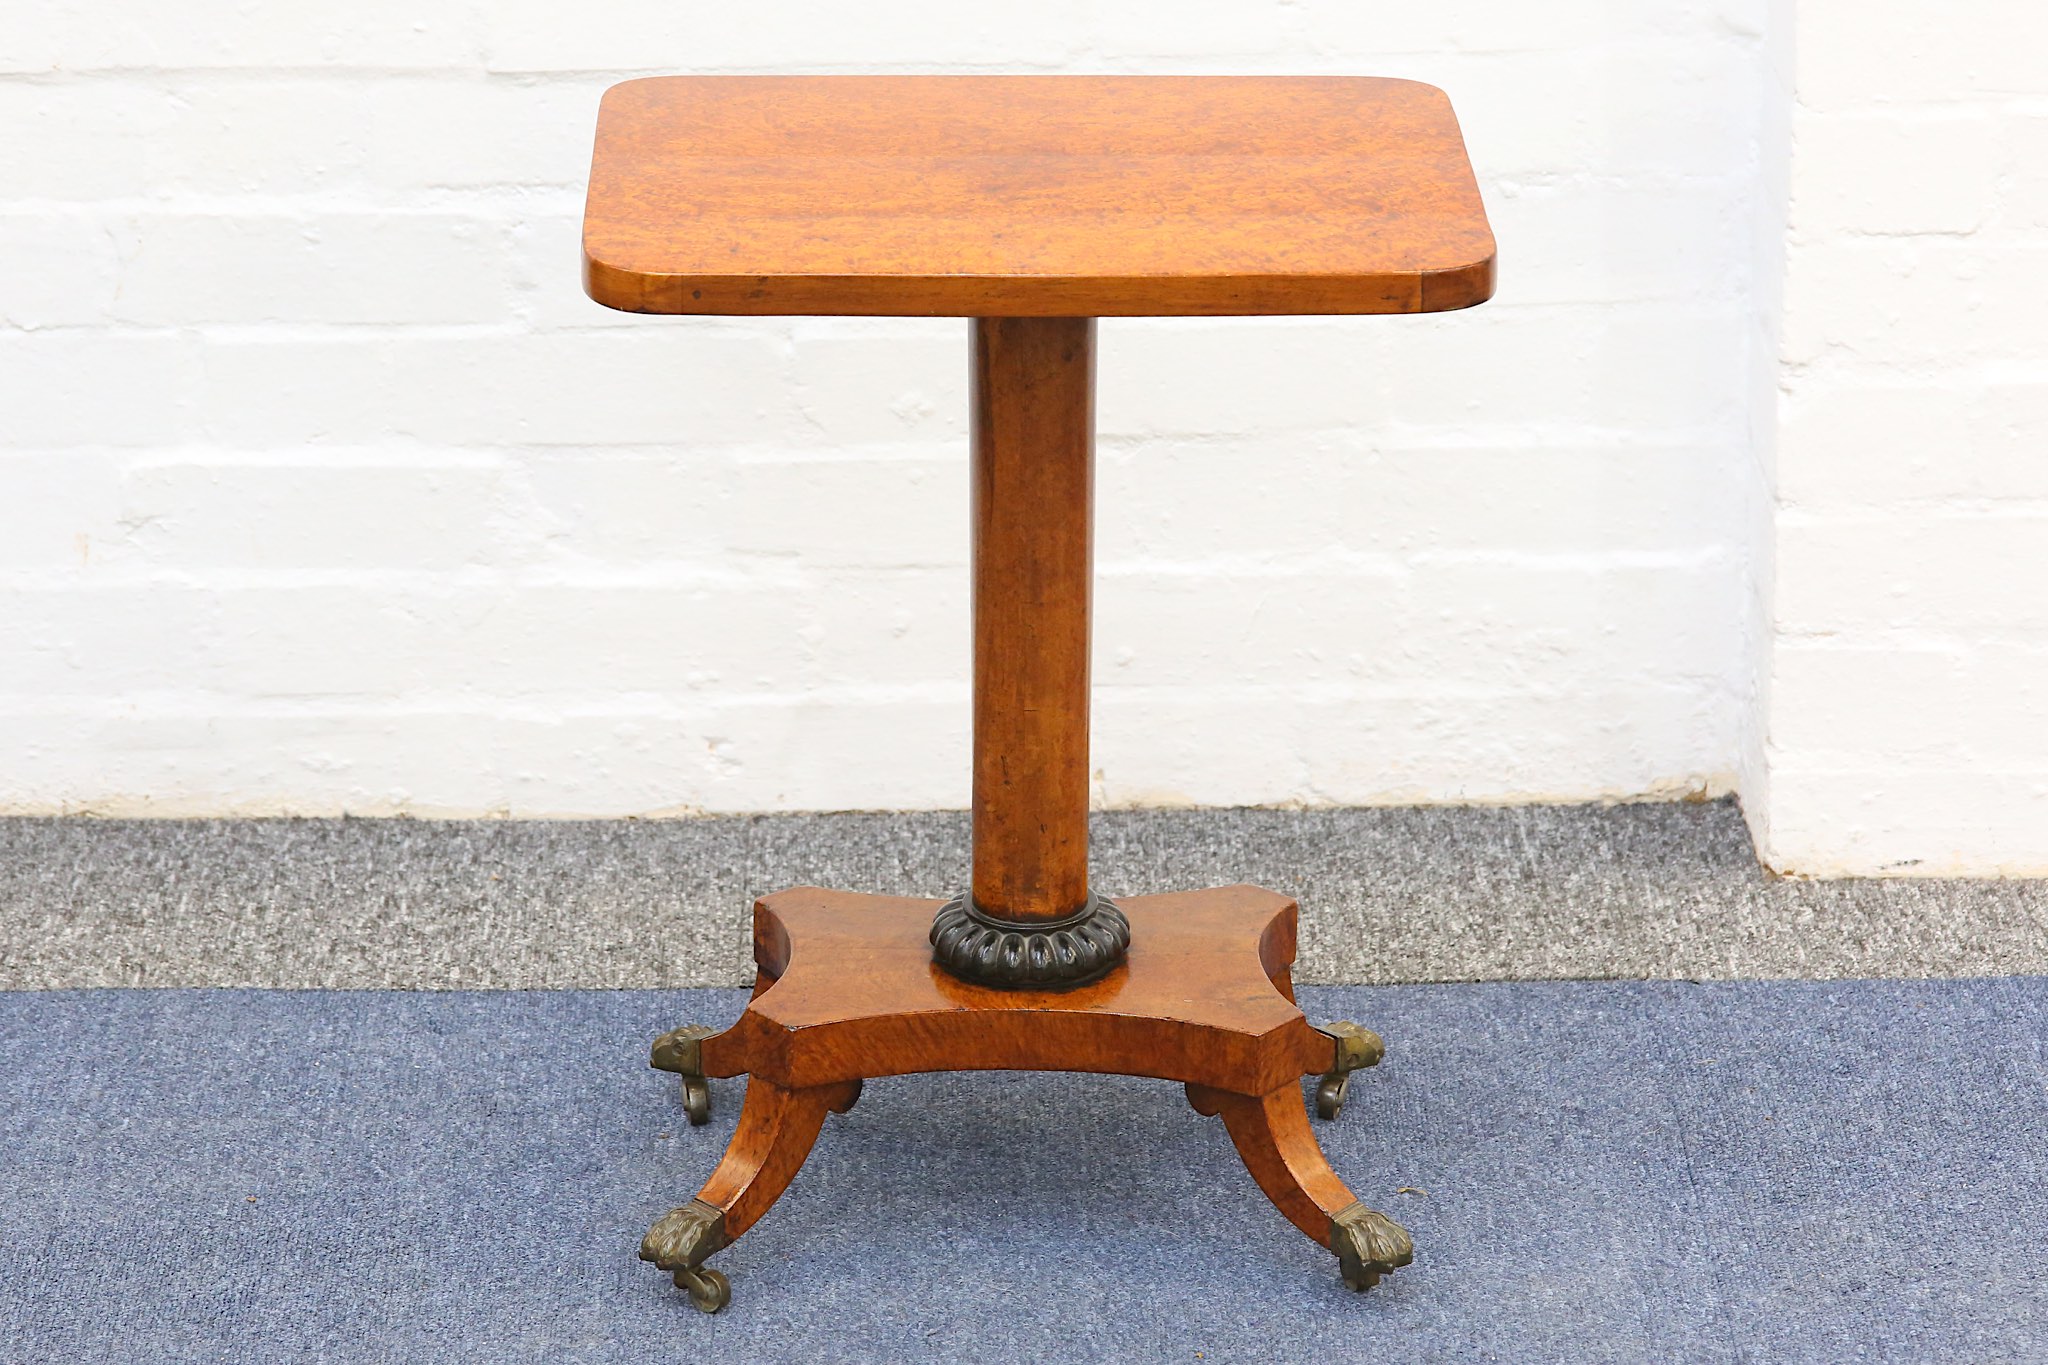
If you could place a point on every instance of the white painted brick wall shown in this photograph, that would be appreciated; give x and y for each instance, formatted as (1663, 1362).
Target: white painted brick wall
(324, 489)
(1908, 700)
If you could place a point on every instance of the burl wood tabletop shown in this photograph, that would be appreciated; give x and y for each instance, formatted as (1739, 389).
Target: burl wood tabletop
(1032, 196)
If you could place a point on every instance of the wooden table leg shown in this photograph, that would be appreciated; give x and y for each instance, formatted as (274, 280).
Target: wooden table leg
(1271, 1134)
(1029, 918)
(777, 1127)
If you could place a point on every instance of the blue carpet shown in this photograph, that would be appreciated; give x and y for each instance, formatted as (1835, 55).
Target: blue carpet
(1594, 1171)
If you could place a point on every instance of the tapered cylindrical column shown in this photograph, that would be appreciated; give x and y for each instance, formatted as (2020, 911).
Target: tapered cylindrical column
(1029, 918)
(1033, 500)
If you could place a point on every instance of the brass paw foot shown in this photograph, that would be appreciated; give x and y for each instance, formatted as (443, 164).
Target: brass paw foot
(1368, 1245)
(677, 1051)
(678, 1243)
(1356, 1047)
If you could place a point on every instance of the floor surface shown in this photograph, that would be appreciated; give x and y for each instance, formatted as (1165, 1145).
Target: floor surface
(1746, 1171)
(1653, 891)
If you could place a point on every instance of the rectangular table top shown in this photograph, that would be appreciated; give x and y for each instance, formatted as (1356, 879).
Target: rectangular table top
(1032, 196)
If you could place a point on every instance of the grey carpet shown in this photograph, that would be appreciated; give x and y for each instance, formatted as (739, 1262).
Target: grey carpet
(1754, 1171)
(1388, 895)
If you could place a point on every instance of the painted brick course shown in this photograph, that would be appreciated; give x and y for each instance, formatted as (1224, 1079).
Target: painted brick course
(1909, 638)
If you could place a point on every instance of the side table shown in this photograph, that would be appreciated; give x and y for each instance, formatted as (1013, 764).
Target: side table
(1032, 205)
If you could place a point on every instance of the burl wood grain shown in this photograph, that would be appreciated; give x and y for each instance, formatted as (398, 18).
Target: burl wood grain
(848, 990)
(1276, 1144)
(1045, 196)
(1204, 997)
(776, 1130)
(1032, 491)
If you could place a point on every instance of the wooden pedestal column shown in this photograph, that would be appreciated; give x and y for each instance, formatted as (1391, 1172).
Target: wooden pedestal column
(1033, 510)
(1029, 919)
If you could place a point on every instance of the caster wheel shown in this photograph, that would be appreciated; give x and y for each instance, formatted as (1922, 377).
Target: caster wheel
(1357, 1281)
(709, 1290)
(697, 1104)
(1330, 1093)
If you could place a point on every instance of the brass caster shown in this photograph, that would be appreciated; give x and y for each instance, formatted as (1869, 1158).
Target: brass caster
(678, 1243)
(677, 1051)
(1368, 1245)
(709, 1290)
(1356, 1047)
(1357, 1281)
(697, 1104)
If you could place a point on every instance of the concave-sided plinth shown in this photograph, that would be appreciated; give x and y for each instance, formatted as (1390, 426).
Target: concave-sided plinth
(847, 990)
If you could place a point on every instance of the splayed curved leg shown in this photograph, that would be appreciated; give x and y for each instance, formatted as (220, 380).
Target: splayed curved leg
(1271, 1133)
(775, 1133)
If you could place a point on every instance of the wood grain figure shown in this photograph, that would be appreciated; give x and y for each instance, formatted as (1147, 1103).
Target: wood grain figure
(1032, 481)
(1032, 196)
